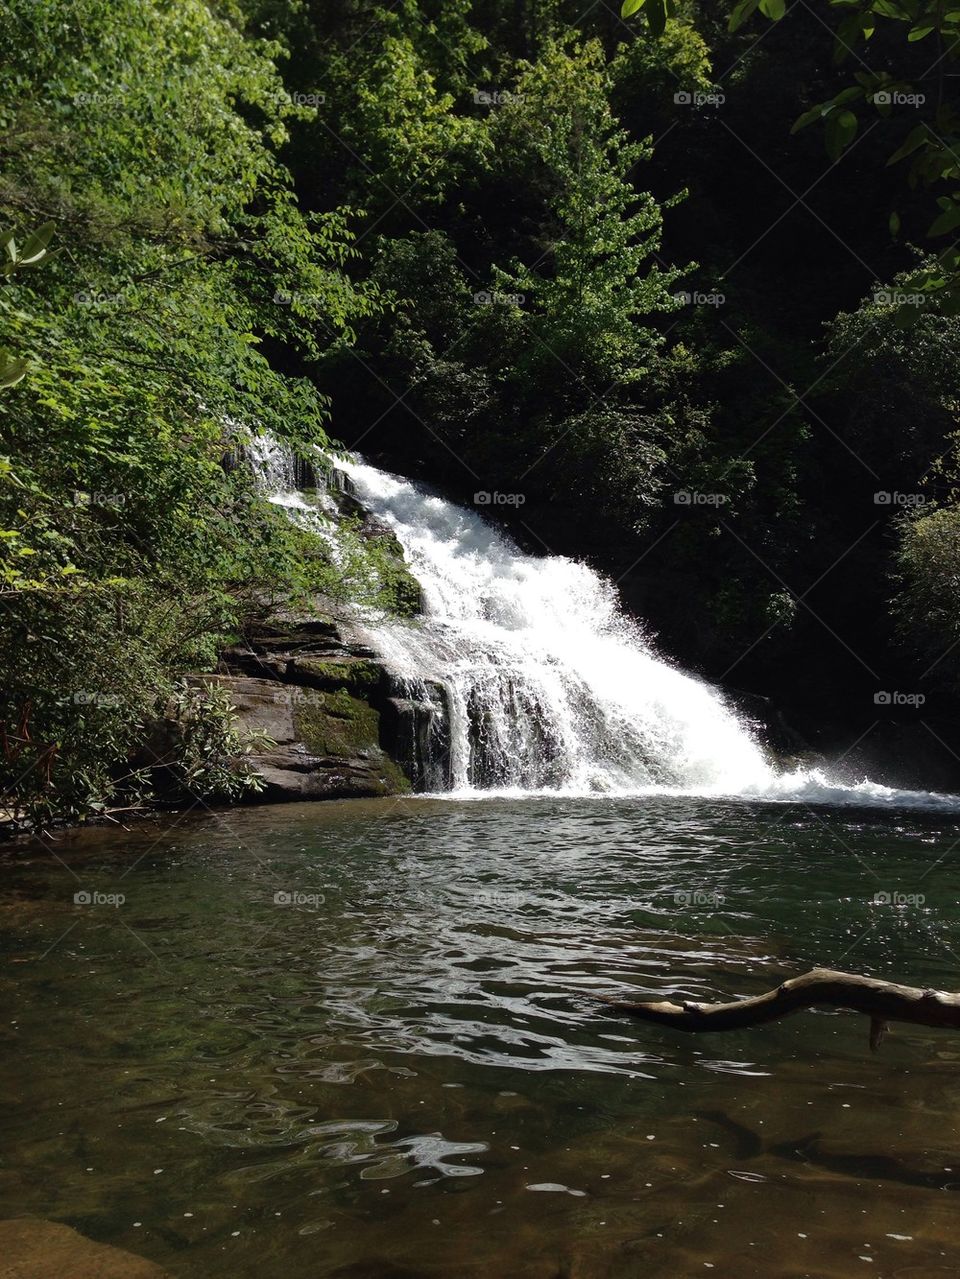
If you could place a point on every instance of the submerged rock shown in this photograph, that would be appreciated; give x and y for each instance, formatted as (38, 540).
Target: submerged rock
(31, 1248)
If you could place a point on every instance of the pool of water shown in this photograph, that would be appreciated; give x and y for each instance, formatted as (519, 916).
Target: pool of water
(362, 1040)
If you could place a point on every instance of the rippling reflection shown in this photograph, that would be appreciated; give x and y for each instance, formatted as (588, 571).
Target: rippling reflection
(363, 1039)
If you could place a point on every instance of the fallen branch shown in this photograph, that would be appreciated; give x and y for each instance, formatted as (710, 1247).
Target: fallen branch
(882, 1001)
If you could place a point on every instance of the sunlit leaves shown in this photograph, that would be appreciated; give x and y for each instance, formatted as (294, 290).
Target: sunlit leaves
(743, 10)
(12, 370)
(656, 12)
(135, 544)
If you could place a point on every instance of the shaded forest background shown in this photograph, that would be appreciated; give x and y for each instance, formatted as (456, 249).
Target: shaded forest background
(510, 247)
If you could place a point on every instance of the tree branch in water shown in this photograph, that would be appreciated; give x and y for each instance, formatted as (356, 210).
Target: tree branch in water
(882, 1001)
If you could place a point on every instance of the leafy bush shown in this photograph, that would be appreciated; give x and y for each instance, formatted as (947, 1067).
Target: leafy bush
(927, 606)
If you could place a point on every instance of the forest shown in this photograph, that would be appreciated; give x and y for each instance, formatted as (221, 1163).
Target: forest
(531, 428)
(677, 287)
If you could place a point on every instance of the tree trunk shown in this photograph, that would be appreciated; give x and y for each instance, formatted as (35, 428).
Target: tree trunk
(882, 1001)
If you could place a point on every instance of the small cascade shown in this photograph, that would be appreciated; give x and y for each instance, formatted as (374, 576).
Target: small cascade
(548, 685)
(284, 476)
(421, 734)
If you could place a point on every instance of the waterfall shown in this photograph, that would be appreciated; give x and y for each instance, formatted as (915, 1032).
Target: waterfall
(549, 686)
(282, 475)
(523, 676)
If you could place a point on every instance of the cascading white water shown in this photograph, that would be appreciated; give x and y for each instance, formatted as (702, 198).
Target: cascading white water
(550, 687)
(547, 685)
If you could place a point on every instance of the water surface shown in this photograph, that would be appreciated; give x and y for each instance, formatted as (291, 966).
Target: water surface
(362, 1039)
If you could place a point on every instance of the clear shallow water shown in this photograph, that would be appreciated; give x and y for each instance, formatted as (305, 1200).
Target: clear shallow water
(404, 1073)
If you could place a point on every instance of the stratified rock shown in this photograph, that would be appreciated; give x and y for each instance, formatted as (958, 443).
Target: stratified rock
(327, 740)
(31, 1248)
(341, 727)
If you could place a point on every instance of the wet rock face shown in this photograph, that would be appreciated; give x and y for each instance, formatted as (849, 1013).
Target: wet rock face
(341, 725)
(31, 1248)
(319, 701)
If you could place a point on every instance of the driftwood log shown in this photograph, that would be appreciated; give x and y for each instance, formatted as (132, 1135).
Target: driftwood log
(882, 1001)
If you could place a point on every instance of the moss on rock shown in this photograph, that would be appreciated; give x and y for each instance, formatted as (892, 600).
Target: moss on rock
(356, 675)
(338, 724)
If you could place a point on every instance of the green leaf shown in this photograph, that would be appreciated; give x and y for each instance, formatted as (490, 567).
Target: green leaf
(773, 9)
(946, 222)
(848, 31)
(915, 138)
(36, 244)
(656, 16)
(11, 370)
(921, 30)
(742, 11)
(894, 223)
(841, 130)
(808, 117)
(630, 7)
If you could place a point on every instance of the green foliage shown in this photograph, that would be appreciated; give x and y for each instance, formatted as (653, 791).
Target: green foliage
(454, 233)
(546, 364)
(150, 134)
(15, 258)
(644, 72)
(932, 145)
(895, 384)
(31, 253)
(208, 757)
(656, 12)
(593, 280)
(927, 606)
(87, 669)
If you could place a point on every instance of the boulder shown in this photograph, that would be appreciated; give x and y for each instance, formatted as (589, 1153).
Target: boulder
(326, 740)
(31, 1248)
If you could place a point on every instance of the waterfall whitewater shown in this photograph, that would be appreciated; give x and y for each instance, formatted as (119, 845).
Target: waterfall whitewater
(548, 686)
(533, 679)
